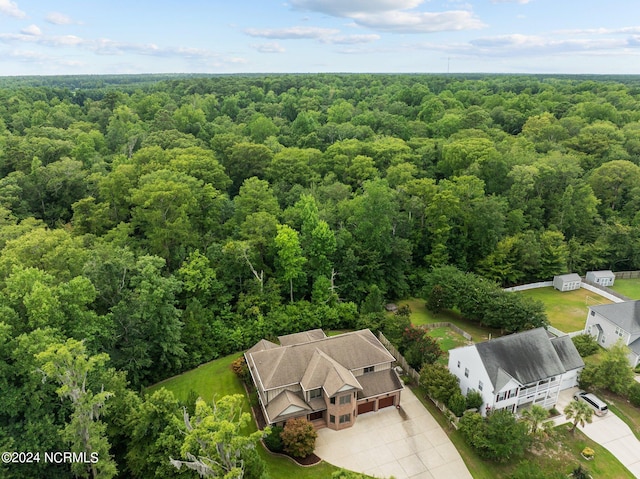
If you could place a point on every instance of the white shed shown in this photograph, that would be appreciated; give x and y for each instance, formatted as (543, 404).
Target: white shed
(567, 282)
(603, 278)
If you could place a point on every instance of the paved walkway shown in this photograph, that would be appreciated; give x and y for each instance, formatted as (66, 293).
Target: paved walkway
(405, 443)
(610, 432)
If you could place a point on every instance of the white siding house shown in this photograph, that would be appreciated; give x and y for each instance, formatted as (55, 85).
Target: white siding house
(603, 278)
(610, 323)
(517, 371)
(567, 282)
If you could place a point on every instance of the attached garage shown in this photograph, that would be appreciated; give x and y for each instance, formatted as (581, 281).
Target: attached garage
(386, 402)
(366, 407)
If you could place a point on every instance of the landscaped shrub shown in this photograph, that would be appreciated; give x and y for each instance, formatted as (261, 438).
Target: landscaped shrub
(299, 437)
(474, 400)
(273, 441)
(585, 344)
(580, 473)
(439, 382)
(419, 348)
(240, 369)
(457, 404)
(634, 394)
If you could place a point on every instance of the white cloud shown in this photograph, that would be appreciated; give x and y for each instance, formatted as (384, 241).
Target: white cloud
(351, 39)
(396, 16)
(292, 32)
(11, 9)
(601, 31)
(271, 47)
(420, 22)
(58, 18)
(346, 8)
(31, 30)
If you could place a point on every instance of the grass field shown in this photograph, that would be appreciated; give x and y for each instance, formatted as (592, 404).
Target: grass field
(215, 379)
(566, 310)
(628, 287)
(561, 452)
(420, 315)
(447, 338)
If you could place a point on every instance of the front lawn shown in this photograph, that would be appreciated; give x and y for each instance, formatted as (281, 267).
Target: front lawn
(566, 310)
(628, 287)
(559, 453)
(214, 380)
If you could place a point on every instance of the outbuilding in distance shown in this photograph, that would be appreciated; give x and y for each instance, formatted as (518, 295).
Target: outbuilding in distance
(567, 282)
(603, 278)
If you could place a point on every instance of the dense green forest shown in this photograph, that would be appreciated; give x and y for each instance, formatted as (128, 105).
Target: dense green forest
(151, 223)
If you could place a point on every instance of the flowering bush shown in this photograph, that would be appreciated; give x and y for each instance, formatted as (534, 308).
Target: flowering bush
(588, 453)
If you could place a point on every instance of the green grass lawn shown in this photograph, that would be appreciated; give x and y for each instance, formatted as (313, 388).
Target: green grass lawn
(215, 379)
(558, 453)
(628, 287)
(566, 310)
(447, 338)
(420, 315)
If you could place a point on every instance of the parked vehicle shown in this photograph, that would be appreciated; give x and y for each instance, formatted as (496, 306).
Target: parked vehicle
(597, 404)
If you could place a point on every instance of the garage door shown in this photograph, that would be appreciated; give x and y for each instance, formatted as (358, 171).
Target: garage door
(365, 407)
(385, 402)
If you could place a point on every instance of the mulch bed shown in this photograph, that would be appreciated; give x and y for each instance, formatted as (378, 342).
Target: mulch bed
(262, 423)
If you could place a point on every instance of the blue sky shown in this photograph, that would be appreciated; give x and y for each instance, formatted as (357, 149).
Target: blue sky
(139, 36)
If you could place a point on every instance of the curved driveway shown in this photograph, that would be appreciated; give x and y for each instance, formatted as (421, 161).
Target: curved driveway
(405, 443)
(610, 432)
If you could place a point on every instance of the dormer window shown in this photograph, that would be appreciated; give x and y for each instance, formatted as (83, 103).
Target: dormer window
(370, 369)
(315, 393)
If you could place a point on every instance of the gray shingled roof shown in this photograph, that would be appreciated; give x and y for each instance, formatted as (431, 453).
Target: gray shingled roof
(527, 357)
(287, 365)
(303, 337)
(283, 401)
(606, 273)
(569, 277)
(626, 315)
(324, 372)
(262, 345)
(374, 384)
(567, 353)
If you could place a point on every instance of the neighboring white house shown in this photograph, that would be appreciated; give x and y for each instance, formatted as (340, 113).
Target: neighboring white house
(609, 323)
(567, 282)
(516, 371)
(603, 278)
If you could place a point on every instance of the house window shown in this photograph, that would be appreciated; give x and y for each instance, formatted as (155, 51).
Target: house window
(345, 418)
(466, 372)
(501, 397)
(369, 369)
(619, 332)
(480, 385)
(458, 363)
(315, 393)
(345, 399)
(593, 313)
(332, 419)
(332, 400)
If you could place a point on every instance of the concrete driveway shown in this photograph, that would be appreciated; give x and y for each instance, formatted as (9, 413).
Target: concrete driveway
(404, 443)
(608, 431)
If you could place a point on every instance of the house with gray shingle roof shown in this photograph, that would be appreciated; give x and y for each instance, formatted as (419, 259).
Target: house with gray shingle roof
(328, 380)
(516, 371)
(610, 323)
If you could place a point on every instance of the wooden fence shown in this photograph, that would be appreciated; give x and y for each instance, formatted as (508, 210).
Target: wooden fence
(461, 332)
(627, 274)
(413, 374)
(604, 291)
